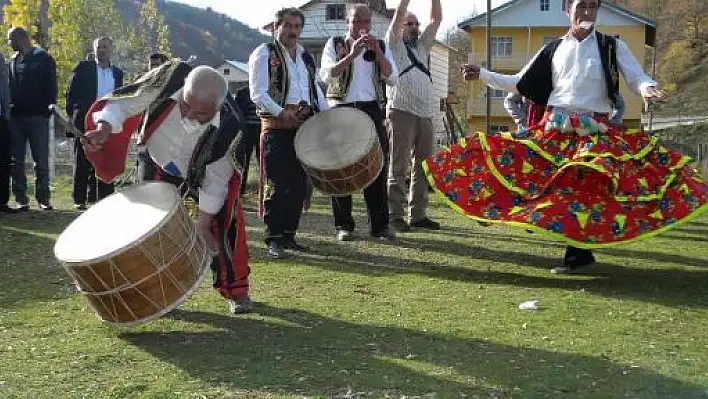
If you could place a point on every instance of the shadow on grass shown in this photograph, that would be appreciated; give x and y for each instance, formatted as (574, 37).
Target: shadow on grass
(29, 272)
(295, 352)
(671, 287)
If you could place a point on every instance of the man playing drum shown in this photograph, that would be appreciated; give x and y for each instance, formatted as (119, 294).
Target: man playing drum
(356, 70)
(282, 84)
(189, 136)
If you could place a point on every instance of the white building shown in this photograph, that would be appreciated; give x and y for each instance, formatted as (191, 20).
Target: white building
(235, 73)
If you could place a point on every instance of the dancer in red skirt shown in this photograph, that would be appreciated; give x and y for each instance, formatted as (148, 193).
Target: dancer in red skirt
(573, 176)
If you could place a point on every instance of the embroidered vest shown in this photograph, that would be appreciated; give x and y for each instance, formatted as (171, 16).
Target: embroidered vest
(213, 144)
(279, 77)
(537, 83)
(339, 87)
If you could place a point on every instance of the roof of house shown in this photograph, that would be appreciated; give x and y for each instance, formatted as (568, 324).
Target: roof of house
(611, 6)
(238, 65)
(378, 6)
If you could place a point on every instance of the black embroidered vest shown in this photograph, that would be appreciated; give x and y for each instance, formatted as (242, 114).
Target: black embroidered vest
(339, 87)
(213, 144)
(279, 77)
(537, 83)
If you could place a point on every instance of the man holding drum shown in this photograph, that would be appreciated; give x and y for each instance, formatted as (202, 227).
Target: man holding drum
(282, 84)
(189, 136)
(356, 70)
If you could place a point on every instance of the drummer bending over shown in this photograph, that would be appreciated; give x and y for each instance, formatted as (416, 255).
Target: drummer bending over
(356, 70)
(282, 82)
(189, 137)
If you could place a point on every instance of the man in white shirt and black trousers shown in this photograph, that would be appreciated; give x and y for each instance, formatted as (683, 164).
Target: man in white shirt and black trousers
(282, 84)
(356, 69)
(578, 72)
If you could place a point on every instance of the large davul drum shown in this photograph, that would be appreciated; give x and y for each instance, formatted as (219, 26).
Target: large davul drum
(135, 255)
(340, 151)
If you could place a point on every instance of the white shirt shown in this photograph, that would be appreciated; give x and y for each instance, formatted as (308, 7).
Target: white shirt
(578, 78)
(106, 83)
(172, 143)
(258, 80)
(362, 84)
(414, 91)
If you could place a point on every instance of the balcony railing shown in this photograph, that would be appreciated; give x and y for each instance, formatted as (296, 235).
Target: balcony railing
(514, 61)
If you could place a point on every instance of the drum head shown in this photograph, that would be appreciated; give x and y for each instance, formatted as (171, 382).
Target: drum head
(335, 138)
(116, 222)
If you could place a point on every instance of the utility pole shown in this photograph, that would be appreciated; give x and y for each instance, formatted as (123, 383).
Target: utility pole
(489, 61)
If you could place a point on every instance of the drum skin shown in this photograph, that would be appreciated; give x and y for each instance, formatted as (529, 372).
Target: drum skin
(150, 276)
(340, 151)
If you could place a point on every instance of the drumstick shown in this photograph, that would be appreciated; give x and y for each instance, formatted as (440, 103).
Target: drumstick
(64, 121)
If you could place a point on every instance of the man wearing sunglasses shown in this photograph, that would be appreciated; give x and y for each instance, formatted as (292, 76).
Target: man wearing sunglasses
(410, 111)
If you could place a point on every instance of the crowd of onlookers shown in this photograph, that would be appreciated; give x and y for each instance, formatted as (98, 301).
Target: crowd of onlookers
(28, 87)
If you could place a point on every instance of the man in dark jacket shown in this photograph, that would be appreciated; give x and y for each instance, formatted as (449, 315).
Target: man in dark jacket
(33, 85)
(91, 80)
(5, 142)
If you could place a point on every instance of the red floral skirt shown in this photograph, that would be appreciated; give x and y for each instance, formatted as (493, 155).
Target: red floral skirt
(594, 190)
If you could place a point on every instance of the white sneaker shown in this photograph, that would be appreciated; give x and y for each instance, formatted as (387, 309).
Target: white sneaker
(344, 235)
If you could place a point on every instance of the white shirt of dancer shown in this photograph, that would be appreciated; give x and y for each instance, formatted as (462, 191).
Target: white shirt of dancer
(173, 142)
(362, 84)
(299, 90)
(578, 78)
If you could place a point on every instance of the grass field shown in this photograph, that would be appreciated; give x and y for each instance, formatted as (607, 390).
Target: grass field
(432, 316)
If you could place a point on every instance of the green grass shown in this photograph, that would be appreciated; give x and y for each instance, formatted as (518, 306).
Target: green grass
(432, 316)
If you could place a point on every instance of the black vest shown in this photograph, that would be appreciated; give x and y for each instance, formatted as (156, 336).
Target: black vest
(214, 143)
(537, 82)
(279, 78)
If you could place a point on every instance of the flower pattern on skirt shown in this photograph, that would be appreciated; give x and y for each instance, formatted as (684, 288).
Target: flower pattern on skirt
(576, 179)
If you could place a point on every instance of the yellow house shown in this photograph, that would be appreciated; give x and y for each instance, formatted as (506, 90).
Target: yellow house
(521, 27)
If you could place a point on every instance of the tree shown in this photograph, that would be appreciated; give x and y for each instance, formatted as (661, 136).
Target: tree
(460, 41)
(152, 30)
(30, 15)
(75, 24)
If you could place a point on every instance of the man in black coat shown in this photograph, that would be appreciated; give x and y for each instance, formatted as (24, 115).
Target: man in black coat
(5, 141)
(91, 80)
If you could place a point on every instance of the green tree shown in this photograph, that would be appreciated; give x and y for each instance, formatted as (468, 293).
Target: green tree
(153, 30)
(30, 15)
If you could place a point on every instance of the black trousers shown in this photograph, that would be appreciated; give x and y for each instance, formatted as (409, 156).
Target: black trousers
(5, 161)
(252, 135)
(375, 196)
(87, 188)
(285, 185)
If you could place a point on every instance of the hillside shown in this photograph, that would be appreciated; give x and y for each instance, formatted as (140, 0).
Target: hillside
(209, 35)
(682, 53)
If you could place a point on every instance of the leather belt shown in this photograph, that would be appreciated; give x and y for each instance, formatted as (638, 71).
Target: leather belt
(270, 123)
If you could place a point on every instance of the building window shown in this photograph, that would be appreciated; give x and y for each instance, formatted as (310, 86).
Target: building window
(497, 94)
(501, 46)
(498, 128)
(227, 71)
(563, 4)
(336, 12)
(545, 4)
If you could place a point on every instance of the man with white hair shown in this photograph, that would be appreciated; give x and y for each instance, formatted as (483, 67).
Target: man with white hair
(91, 79)
(189, 136)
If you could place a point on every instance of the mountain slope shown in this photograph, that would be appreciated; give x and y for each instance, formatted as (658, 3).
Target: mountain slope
(209, 35)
